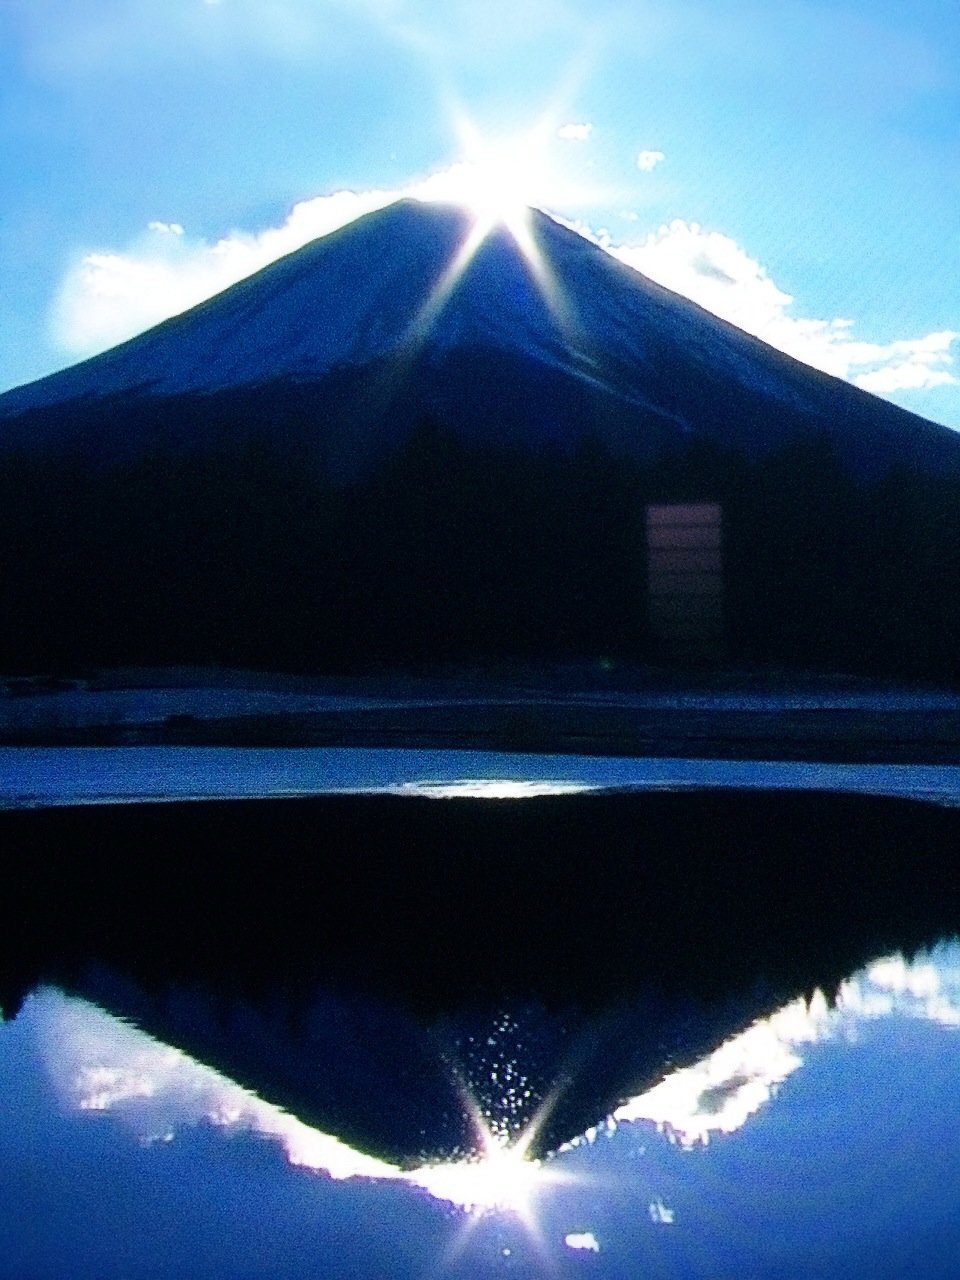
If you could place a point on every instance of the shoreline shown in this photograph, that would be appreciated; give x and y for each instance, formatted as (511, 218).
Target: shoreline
(925, 734)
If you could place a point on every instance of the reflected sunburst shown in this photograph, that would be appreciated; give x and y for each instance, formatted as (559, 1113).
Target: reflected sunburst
(502, 1178)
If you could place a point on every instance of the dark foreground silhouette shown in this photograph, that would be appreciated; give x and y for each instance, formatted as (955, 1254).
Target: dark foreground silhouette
(358, 958)
(224, 541)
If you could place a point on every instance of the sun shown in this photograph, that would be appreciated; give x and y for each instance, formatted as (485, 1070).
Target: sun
(499, 178)
(492, 190)
(500, 181)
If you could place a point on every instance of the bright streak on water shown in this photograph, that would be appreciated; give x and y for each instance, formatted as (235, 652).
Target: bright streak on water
(852, 1171)
(494, 788)
(720, 1093)
(99, 1063)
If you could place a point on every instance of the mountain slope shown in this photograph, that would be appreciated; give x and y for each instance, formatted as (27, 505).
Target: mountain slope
(350, 324)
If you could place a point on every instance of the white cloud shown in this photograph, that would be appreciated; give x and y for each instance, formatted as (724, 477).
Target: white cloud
(648, 160)
(166, 228)
(912, 365)
(575, 132)
(714, 271)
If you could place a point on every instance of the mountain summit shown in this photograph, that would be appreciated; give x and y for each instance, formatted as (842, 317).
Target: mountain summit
(386, 321)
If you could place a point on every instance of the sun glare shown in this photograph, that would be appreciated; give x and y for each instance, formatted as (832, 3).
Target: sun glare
(494, 193)
(501, 1179)
(499, 181)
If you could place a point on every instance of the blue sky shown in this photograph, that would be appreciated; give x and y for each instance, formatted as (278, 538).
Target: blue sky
(794, 167)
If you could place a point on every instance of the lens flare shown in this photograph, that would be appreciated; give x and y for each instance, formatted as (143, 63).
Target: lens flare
(501, 1178)
(500, 181)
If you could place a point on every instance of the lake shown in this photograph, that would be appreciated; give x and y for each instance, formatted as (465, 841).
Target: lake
(608, 1031)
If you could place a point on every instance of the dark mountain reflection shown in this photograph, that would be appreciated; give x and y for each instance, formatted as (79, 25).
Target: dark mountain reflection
(822, 1140)
(412, 975)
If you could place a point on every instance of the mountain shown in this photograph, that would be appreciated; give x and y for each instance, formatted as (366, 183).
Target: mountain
(382, 451)
(347, 327)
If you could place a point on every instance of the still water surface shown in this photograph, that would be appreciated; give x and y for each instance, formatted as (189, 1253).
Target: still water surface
(45, 776)
(823, 1140)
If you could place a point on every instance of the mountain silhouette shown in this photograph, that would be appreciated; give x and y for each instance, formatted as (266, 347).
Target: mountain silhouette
(572, 345)
(400, 446)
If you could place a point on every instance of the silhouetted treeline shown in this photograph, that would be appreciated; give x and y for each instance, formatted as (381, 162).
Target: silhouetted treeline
(249, 550)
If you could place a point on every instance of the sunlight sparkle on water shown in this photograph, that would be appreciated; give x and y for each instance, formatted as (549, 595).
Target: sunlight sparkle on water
(500, 1179)
(493, 788)
(584, 1241)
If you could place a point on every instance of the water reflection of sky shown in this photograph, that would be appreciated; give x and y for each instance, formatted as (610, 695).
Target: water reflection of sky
(821, 1141)
(45, 776)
